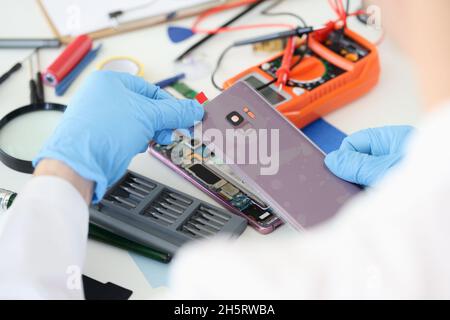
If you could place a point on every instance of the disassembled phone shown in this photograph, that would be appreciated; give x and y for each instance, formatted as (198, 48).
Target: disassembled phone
(208, 173)
(337, 67)
(302, 190)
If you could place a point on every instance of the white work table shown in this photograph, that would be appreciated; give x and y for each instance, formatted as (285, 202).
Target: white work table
(393, 101)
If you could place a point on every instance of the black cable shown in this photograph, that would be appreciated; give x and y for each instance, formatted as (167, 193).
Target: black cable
(242, 14)
(268, 84)
(118, 13)
(363, 17)
(219, 62)
(266, 12)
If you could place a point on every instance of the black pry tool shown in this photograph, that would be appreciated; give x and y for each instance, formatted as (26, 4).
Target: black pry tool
(14, 68)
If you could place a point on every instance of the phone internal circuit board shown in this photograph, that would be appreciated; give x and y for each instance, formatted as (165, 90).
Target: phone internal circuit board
(204, 168)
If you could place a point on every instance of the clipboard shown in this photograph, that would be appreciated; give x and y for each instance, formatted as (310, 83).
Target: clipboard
(126, 26)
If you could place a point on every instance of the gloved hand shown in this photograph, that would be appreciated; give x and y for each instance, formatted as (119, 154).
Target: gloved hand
(366, 156)
(112, 118)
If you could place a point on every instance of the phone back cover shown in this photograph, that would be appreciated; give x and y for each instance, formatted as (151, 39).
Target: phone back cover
(303, 191)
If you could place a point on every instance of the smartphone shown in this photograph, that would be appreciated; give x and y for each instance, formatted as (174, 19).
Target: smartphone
(276, 160)
(208, 173)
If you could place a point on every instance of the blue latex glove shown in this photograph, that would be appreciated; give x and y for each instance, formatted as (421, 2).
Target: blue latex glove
(366, 156)
(112, 118)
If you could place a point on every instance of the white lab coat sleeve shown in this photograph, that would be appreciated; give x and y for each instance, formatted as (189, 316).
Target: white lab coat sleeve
(43, 243)
(391, 242)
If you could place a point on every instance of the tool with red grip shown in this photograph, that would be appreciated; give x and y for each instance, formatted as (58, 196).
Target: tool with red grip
(67, 60)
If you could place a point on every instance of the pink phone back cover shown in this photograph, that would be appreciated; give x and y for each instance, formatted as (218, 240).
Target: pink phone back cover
(304, 192)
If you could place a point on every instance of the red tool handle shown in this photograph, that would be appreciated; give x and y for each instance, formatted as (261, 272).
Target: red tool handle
(67, 60)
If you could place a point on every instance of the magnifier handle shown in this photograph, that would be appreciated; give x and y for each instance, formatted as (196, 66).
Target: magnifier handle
(40, 88)
(34, 98)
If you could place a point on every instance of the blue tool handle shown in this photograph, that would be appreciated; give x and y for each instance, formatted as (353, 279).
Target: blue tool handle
(168, 82)
(65, 84)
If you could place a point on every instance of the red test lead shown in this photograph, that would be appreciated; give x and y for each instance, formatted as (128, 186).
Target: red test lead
(284, 70)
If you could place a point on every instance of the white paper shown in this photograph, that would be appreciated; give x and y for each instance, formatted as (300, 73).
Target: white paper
(74, 17)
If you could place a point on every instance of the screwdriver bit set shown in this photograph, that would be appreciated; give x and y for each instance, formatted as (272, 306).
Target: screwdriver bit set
(155, 215)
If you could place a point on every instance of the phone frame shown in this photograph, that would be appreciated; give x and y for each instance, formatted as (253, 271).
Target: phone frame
(260, 227)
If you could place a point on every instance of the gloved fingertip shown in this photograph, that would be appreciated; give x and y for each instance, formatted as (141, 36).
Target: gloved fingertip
(358, 141)
(330, 160)
(164, 137)
(196, 107)
(345, 165)
(179, 133)
(160, 93)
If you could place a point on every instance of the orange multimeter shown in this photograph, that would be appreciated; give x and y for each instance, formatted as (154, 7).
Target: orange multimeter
(338, 66)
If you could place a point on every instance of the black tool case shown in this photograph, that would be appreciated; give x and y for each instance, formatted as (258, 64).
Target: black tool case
(155, 215)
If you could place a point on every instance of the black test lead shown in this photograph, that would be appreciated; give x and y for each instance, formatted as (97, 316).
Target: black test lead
(226, 24)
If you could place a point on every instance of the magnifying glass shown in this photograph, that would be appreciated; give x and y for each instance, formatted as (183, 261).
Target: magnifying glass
(24, 131)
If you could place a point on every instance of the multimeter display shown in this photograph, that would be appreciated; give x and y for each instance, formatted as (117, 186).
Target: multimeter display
(269, 93)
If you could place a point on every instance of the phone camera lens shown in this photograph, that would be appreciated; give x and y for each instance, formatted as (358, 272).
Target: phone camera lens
(235, 118)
